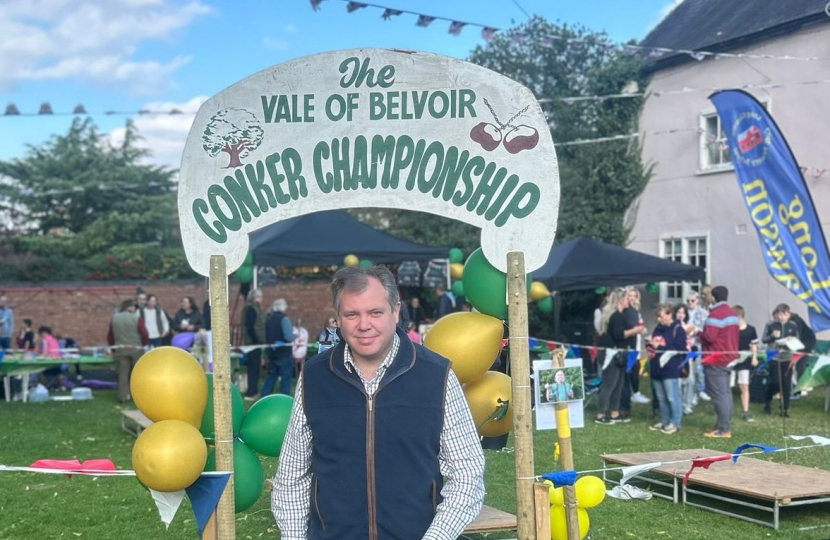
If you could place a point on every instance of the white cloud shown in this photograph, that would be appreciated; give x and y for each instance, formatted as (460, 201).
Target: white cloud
(290, 28)
(664, 12)
(163, 135)
(92, 40)
(276, 44)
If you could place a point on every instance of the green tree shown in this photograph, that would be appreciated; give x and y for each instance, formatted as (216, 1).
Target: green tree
(78, 197)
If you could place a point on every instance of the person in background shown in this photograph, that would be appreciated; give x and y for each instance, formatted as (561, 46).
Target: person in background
(279, 335)
(48, 344)
(416, 313)
(780, 328)
(808, 338)
(413, 334)
(140, 299)
(188, 318)
(26, 336)
(128, 337)
(720, 335)
(665, 372)
(696, 322)
(747, 341)
(328, 337)
(300, 347)
(687, 379)
(631, 388)
(422, 476)
(252, 321)
(615, 335)
(6, 324)
(154, 320)
(446, 302)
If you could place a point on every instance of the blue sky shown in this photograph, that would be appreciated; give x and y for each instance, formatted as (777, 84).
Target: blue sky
(128, 55)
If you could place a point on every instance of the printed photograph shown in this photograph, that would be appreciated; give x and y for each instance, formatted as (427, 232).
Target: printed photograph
(560, 385)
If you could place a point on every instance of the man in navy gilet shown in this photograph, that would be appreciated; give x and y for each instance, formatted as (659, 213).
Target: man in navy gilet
(381, 444)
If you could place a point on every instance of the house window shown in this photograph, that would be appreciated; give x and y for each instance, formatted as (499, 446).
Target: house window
(692, 250)
(714, 150)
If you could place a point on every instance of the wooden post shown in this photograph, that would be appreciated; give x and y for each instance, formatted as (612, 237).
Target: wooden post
(563, 431)
(541, 494)
(520, 402)
(220, 326)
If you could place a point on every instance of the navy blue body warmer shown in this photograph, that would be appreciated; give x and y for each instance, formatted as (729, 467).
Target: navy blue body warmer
(374, 463)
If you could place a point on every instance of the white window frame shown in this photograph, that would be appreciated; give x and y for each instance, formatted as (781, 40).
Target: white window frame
(704, 167)
(684, 238)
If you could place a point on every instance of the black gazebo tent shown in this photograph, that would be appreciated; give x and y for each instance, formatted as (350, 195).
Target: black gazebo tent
(583, 263)
(325, 238)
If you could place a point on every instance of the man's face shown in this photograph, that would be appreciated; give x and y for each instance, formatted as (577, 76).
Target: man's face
(782, 316)
(416, 302)
(560, 377)
(141, 299)
(258, 299)
(367, 322)
(665, 317)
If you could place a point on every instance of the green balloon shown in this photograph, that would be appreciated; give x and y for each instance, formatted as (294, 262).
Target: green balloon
(485, 287)
(249, 259)
(248, 476)
(458, 288)
(545, 304)
(245, 274)
(456, 255)
(237, 411)
(366, 263)
(264, 427)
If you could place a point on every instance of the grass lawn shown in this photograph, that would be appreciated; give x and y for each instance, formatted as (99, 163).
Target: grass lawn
(38, 506)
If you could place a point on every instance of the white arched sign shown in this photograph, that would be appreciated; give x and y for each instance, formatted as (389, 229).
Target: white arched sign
(370, 128)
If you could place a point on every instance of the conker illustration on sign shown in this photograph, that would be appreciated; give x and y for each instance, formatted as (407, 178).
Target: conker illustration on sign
(370, 128)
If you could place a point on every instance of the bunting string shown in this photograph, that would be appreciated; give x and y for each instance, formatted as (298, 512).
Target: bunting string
(488, 32)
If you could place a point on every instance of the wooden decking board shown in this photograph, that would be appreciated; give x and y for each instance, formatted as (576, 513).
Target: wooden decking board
(756, 478)
(134, 422)
(492, 519)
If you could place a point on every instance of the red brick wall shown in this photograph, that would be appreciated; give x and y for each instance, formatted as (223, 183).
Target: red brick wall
(84, 312)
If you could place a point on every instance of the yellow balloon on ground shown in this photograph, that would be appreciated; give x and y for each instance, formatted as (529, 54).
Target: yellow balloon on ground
(559, 523)
(538, 291)
(169, 384)
(456, 270)
(169, 455)
(471, 341)
(590, 491)
(486, 396)
(351, 260)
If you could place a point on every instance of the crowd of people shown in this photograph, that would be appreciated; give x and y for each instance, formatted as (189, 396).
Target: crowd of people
(729, 348)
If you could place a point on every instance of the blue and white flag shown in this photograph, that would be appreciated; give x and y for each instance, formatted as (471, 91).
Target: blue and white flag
(778, 201)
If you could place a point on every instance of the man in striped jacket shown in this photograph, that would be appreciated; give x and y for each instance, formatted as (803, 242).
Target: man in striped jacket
(720, 347)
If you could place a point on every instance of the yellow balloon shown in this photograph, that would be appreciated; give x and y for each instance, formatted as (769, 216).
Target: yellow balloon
(485, 396)
(169, 455)
(456, 270)
(559, 523)
(538, 291)
(169, 384)
(351, 260)
(590, 491)
(471, 341)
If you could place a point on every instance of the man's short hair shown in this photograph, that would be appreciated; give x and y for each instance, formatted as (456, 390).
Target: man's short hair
(720, 293)
(356, 279)
(127, 304)
(279, 305)
(781, 308)
(739, 310)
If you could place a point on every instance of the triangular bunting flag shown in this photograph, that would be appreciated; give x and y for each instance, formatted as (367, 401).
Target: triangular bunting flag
(389, 13)
(630, 472)
(204, 495)
(743, 355)
(504, 343)
(167, 504)
(818, 374)
(592, 352)
(741, 448)
(456, 27)
(315, 4)
(351, 7)
(665, 357)
(633, 356)
(561, 478)
(711, 358)
(794, 361)
(424, 21)
(817, 439)
(609, 355)
(576, 351)
(705, 463)
(689, 357)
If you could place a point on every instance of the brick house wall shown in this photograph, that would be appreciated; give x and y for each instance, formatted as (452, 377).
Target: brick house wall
(84, 311)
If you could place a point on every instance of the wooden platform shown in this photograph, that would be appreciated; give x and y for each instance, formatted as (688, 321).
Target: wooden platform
(491, 519)
(134, 422)
(749, 478)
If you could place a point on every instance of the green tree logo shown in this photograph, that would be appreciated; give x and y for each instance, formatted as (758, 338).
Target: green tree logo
(234, 131)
